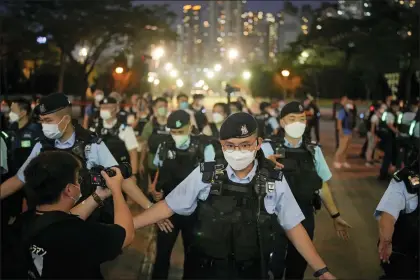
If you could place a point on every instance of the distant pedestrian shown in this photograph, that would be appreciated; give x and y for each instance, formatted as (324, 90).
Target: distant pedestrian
(345, 130)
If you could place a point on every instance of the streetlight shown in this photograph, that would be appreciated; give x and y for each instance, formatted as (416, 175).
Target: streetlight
(305, 54)
(156, 82)
(168, 66)
(285, 73)
(157, 53)
(233, 54)
(179, 83)
(217, 67)
(210, 74)
(150, 79)
(246, 75)
(173, 73)
(119, 70)
(83, 52)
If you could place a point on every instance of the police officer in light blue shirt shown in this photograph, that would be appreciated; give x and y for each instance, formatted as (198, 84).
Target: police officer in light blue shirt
(398, 221)
(63, 133)
(307, 172)
(223, 197)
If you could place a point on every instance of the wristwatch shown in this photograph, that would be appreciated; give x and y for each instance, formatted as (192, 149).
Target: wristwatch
(320, 272)
(98, 199)
(335, 215)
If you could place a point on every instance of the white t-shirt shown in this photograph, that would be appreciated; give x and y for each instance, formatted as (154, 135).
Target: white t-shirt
(126, 134)
(374, 119)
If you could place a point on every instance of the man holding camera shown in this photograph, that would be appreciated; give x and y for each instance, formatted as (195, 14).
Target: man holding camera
(55, 234)
(64, 134)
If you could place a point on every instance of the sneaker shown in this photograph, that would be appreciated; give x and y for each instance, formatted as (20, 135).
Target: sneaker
(346, 165)
(337, 165)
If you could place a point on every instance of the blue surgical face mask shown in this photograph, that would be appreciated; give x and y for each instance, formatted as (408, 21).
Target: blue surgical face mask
(183, 105)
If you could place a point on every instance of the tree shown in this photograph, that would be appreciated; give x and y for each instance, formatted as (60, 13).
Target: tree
(94, 25)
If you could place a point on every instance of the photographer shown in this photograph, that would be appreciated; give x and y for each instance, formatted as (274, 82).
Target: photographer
(54, 230)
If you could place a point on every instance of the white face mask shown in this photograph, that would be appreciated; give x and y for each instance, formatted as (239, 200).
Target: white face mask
(217, 118)
(52, 131)
(13, 117)
(105, 115)
(349, 106)
(99, 97)
(180, 140)
(239, 160)
(295, 130)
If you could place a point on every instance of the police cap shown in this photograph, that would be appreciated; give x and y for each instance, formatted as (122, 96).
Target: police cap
(53, 103)
(178, 119)
(108, 100)
(238, 125)
(293, 107)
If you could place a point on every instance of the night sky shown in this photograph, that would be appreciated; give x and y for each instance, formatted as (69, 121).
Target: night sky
(265, 6)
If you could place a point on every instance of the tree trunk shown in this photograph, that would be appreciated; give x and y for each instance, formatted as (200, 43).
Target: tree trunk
(60, 86)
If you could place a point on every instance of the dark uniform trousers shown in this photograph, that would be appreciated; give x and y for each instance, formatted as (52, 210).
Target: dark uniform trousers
(166, 241)
(286, 257)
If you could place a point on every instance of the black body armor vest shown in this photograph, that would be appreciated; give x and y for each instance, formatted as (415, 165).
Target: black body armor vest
(94, 117)
(84, 140)
(159, 134)
(300, 172)
(233, 223)
(111, 138)
(264, 129)
(405, 239)
(383, 129)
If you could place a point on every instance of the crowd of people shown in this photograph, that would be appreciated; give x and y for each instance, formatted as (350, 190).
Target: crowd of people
(233, 182)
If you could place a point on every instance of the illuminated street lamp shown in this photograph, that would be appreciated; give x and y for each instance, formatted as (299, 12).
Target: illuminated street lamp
(210, 74)
(173, 73)
(217, 67)
(285, 73)
(156, 82)
(158, 53)
(246, 75)
(305, 54)
(168, 66)
(83, 52)
(233, 54)
(150, 79)
(119, 70)
(179, 83)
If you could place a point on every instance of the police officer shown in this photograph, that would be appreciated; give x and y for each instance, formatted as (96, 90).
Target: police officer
(313, 115)
(92, 110)
(268, 125)
(398, 217)
(122, 115)
(303, 162)
(64, 134)
(176, 158)
(239, 208)
(403, 138)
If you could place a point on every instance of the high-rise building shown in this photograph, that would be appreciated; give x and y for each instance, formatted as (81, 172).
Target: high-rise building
(356, 9)
(191, 35)
(289, 27)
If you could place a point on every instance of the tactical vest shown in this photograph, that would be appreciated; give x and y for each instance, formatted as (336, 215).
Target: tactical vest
(299, 171)
(81, 147)
(94, 117)
(404, 123)
(177, 163)
(214, 131)
(159, 134)
(383, 129)
(111, 138)
(233, 223)
(405, 239)
(264, 128)
(138, 130)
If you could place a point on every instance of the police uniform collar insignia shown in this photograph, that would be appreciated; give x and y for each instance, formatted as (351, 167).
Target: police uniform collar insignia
(178, 124)
(42, 108)
(244, 130)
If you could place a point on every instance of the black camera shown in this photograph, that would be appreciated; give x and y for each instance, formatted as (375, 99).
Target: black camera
(231, 89)
(97, 180)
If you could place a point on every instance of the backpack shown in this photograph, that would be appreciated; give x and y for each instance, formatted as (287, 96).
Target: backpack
(19, 262)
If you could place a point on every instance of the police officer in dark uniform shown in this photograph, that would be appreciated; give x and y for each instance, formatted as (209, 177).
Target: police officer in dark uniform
(307, 173)
(268, 125)
(176, 158)
(92, 110)
(399, 220)
(61, 132)
(403, 138)
(240, 207)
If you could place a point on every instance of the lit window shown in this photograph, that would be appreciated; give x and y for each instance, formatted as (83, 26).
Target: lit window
(366, 5)
(206, 24)
(409, 33)
(338, 12)
(319, 27)
(250, 14)
(246, 33)
(219, 39)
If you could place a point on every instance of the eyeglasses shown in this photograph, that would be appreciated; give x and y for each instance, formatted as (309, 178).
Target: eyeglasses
(243, 147)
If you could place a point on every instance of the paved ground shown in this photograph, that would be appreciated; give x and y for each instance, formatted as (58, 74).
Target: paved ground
(357, 193)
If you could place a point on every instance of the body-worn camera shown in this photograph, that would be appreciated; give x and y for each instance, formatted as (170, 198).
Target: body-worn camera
(97, 180)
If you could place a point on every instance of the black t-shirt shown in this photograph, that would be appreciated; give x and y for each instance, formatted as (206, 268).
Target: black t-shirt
(74, 249)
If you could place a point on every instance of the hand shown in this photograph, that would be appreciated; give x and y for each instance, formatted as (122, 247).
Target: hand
(165, 225)
(327, 275)
(103, 193)
(342, 227)
(134, 178)
(157, 196)
(141, 169)
(274, 158)
(384, 250)
(113, 183)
